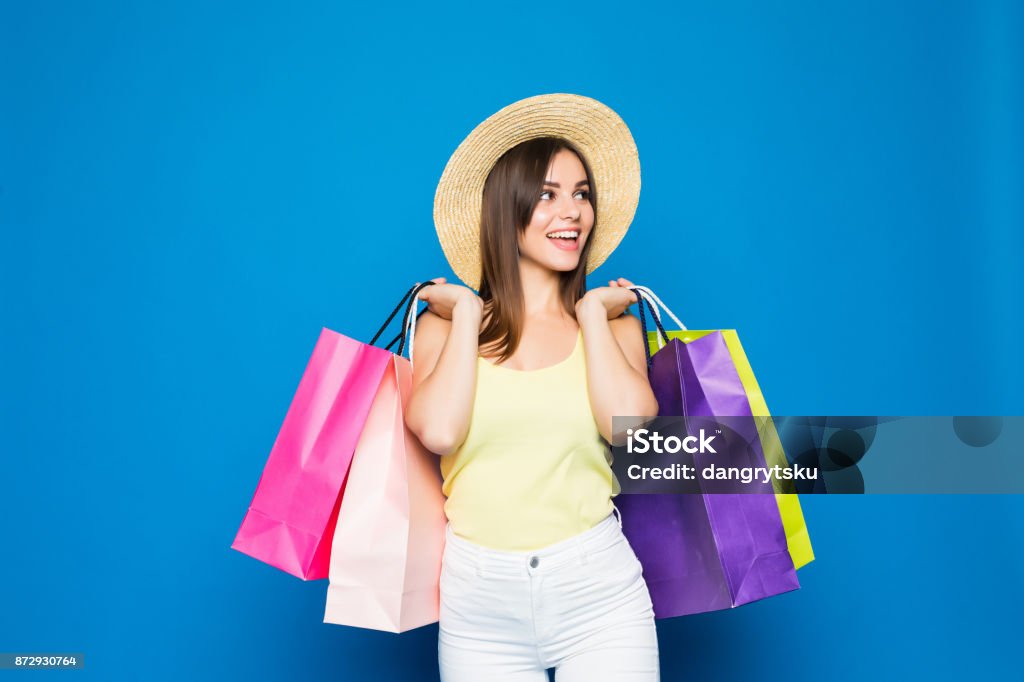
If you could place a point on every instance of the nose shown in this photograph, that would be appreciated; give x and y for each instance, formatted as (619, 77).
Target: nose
(569, 209)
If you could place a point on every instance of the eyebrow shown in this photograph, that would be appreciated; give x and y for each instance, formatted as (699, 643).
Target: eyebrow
(555, 184)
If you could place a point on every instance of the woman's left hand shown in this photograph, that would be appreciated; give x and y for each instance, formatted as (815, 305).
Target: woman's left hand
(614, 298)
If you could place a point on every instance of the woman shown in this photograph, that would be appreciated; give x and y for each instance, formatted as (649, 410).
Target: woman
(516, 388)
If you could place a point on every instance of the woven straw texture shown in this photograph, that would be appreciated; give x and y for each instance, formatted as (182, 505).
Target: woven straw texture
(595, 130)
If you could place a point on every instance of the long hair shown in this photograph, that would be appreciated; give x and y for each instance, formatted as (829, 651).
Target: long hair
(511, 193)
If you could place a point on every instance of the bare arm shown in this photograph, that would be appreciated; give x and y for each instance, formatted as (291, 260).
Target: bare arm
(444, 369)
(616, 365)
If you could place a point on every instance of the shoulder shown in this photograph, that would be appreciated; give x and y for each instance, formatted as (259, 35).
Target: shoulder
(629, 334)
(431, 331)
(626, 327)
(432, 324)
(431, 334)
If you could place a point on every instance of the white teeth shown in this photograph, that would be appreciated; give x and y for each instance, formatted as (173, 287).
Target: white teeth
(569, 234)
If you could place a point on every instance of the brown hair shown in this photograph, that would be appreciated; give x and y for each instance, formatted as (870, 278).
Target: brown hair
(511, 192)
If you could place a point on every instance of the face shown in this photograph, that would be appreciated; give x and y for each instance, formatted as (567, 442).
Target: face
(564, 210)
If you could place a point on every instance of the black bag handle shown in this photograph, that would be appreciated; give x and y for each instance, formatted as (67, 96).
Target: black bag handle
(409, 302)
(413, 303)
(401, 334)
(643, 300)
(392, 316)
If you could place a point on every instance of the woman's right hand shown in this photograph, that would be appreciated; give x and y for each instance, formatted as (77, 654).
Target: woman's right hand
(442, 298)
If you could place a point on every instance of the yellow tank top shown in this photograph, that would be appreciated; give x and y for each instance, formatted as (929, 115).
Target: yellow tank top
(534, 469)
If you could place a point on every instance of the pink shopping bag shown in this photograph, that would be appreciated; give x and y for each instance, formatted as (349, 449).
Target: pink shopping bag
(386, 556)
(291, 519)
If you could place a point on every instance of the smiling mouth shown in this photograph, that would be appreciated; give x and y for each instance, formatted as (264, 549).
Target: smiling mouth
(564, 235)
(565, 240)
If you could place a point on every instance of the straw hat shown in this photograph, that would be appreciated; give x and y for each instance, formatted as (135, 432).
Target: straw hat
(594, 129)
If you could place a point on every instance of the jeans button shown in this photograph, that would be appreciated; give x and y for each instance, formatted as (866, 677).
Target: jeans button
(534, 562)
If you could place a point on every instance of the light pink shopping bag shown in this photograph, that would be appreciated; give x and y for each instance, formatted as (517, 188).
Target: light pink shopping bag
(291, 519)
(386, 555)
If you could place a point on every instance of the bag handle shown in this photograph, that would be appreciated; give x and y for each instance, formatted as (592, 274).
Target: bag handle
(642, 299)
(644, 296)
(653, 299)
(404, 332)
(409, 301)
(410, 319)
(392, 316)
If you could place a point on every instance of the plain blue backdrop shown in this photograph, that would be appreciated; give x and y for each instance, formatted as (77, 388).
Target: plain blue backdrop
(189, 191)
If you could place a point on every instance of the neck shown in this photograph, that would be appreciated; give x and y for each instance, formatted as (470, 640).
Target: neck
(540, 290)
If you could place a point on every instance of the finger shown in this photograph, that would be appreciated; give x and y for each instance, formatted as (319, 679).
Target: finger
(438, 280)
(625, 282)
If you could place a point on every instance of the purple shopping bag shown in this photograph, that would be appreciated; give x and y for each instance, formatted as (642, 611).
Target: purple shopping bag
(706, 552)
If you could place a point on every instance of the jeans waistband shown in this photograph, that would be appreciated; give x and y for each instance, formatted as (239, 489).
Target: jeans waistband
(574, 550)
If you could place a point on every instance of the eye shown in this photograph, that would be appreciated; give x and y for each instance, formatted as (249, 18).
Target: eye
(547, 191)
(584, 192)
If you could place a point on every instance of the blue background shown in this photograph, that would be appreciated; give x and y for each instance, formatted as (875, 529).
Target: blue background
(190, 191)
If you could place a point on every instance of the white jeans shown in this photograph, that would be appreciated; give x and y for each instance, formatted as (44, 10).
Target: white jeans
(580, 606)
